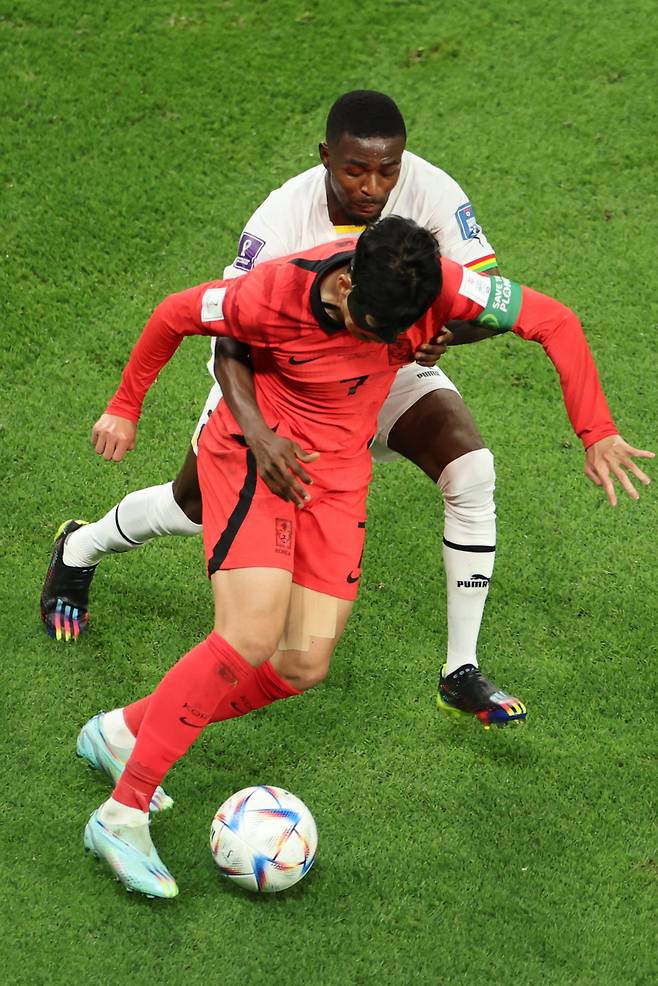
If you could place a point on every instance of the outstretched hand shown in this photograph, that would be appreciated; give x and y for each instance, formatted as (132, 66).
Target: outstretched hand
(113, 436)
(612, 457)
(279, 464)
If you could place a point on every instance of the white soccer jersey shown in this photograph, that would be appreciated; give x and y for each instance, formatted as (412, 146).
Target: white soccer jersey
(295, 217)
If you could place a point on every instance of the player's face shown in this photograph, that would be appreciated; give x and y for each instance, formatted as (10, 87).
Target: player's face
(361, 174)
(363, 333)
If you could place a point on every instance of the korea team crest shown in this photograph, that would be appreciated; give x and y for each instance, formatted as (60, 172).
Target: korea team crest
(283, 535)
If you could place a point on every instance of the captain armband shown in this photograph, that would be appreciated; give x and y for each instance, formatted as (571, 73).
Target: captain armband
(503, 305)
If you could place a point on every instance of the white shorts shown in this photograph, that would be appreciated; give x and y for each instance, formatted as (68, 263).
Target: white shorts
(411, 383)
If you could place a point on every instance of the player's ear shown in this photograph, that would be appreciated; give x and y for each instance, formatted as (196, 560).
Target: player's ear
(344, 282)
(324, 154)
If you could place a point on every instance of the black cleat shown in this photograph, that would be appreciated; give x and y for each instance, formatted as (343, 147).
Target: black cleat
(65, 593)
(467, 692)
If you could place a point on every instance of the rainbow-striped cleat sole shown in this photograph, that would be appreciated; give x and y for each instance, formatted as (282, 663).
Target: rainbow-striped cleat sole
(466, 692)
(65, 593)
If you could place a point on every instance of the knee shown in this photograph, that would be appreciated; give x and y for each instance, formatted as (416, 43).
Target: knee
(300, 671)
(253, 646)
(467, 484)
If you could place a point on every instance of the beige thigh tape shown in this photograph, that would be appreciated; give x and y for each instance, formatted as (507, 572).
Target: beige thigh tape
(310, 614)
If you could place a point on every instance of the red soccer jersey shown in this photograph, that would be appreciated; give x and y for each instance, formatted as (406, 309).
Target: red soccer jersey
(316, 383)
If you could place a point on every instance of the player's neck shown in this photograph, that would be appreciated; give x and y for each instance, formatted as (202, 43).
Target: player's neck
(329, 294)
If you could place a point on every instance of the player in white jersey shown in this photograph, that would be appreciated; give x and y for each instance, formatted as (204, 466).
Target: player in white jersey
(365, 173)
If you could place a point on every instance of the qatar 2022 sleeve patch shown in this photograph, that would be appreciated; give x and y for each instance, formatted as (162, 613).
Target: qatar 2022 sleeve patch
(468, 224)
(503, 305)
(248, 249)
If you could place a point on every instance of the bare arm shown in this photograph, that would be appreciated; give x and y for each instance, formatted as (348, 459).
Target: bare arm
(278, 460)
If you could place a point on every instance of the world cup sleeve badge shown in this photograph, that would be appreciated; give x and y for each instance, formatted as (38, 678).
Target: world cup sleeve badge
(468, 225)
(248, 249)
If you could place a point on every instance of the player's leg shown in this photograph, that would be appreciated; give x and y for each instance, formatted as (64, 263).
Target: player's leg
(251, 585)
(326, 540)
(158, 511)
(330, 539)
(314, 624)
(437, 432)
(179, 710)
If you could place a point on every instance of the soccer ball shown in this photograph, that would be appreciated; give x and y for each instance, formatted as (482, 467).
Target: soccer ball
(264, 838)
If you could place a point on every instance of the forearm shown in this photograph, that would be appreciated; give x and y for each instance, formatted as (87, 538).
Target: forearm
(464, 333)
(235, 376)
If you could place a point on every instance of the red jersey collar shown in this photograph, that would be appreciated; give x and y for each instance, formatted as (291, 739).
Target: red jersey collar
(320, 268)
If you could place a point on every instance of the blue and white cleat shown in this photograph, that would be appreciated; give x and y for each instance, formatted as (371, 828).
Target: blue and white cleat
(93, 747)
(129, 852)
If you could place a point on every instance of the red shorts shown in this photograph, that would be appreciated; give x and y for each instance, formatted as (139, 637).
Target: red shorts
(245, 525)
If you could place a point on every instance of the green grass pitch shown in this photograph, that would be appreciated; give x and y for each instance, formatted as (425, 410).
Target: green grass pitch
(136, 140)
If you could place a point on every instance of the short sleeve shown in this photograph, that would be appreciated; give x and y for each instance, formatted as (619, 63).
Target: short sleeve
(263, 238)
(454, 223)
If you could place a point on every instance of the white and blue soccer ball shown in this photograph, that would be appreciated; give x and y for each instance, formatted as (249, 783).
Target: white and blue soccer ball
(264, 839)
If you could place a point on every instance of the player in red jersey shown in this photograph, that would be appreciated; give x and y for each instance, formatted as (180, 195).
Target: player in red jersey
(284, 579)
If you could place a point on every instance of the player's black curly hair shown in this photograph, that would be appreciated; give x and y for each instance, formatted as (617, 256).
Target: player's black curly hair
(396, 275)
(364, 113)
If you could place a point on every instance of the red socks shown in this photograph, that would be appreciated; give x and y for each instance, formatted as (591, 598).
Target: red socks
(262, 688)
(133, 714)
(177, 712)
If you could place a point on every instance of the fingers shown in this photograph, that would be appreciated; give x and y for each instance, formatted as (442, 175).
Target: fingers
(618, 466)
(625, 482)
(640, 453)
(635, 469)
(110, 441)
(284, 473)
(429, 353)
(283, 483)
(609, 489)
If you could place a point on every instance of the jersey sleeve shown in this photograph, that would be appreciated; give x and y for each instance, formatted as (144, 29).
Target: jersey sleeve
(459, 235)
(263, 238)
(197, 311)
(503, 305)
(559, 331)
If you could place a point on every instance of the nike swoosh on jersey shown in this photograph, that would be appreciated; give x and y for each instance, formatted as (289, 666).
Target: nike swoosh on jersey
(298, 362)
(194, 725)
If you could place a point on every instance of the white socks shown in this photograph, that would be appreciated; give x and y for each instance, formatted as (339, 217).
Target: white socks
(469, 549)
(116, 732)
(139, 517)
(129, 824)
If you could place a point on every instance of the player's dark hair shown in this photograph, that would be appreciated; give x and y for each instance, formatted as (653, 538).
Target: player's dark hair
(396, 275)
(364, 113)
